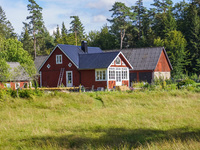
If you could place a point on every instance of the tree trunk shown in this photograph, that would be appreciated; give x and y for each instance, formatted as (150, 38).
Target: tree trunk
(122, 33)
(34, 41)
(76, 37)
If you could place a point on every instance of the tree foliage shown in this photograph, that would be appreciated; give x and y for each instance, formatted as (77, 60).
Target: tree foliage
(77, 28)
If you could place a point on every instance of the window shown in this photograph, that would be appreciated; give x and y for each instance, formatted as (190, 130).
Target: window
(17, 85)
(124, 74)
(112, 73)
(58, 59)
(8, 85)
(118, 61)
(100, 75)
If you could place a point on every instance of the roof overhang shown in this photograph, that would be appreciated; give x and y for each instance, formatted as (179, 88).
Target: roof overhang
(128, 63)
(52, 53)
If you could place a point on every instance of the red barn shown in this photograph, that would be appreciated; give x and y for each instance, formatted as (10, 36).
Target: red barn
(18, 78)
(148, 63)
(71, 65)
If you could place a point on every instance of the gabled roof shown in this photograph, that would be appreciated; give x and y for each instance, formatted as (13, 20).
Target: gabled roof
(39, 60)
(72, 52)
(145, 58)
(17, 72)
(96, 60)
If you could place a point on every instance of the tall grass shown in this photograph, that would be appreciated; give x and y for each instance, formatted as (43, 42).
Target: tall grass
(102, 120)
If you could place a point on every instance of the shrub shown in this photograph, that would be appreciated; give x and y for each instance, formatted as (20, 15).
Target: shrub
(25, 93)
(13, 93)
(185, 83)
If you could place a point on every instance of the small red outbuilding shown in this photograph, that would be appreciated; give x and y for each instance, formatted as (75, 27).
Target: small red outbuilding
(18, 78)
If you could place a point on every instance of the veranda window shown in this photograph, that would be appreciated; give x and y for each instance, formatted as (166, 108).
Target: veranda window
(112, 73)
(124, 74)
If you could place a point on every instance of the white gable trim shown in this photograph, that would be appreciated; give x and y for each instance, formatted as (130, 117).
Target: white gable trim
(121, 60)
(52, 53)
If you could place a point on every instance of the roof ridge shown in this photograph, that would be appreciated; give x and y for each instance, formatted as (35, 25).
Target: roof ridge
(99, 53)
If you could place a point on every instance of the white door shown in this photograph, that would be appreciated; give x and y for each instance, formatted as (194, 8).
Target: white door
(118, 77)
(69, 78)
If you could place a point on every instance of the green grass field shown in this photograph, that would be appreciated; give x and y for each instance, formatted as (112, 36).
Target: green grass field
(107, 120)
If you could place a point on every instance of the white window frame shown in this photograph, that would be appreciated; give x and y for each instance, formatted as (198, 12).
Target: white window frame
(8, 85)
(69, 84)
(124, 73)
(17, 83)
(116, 61)
(100, 73)
(58, 59)
(109, 73)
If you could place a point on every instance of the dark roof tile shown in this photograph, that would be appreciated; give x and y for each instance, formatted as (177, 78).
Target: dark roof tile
(97, 60)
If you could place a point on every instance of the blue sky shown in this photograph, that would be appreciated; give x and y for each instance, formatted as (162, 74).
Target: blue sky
(92, 13)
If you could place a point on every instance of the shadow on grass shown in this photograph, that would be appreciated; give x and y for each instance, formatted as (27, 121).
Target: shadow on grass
(113, 138)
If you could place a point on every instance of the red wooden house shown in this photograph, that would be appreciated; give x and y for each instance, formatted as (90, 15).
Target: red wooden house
(71, 65)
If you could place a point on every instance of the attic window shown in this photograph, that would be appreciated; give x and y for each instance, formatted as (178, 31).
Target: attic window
(118, 61)
(58, 59)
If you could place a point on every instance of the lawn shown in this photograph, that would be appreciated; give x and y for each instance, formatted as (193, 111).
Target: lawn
(102, 120)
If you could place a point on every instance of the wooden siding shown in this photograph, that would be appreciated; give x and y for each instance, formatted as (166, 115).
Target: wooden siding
(50, 75)
(111, 84)
(163, 65)
(88, 79)
(12, 84)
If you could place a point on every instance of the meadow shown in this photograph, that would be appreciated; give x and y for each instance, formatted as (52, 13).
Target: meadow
(102, 120)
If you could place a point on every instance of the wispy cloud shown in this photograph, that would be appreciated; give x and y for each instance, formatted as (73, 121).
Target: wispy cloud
(99, 18)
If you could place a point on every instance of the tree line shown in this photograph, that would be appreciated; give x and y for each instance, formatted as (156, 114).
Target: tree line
(174, 26)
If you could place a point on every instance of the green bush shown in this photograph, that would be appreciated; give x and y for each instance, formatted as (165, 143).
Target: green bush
(13, 93)
(2, 93)
(25, 93)
(185, 83)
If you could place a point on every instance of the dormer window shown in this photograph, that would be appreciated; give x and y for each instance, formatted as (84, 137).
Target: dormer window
(58, 59)
(118, 61)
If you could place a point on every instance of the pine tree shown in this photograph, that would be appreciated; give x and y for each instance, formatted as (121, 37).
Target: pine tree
(27, 40)
(77, 28)
(64, 34)
(163, 20)
(193, 38)
(57, 36)
(6, 28)
(121, 20)
(36, 22)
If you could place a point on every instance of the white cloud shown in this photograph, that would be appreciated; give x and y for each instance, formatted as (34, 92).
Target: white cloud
(99, 18)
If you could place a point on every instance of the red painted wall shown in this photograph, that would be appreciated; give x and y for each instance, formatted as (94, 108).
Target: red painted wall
(163, 65)
(50, 76)
(111, 84)
(12, 84)
(88, 79)
(125, 82)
